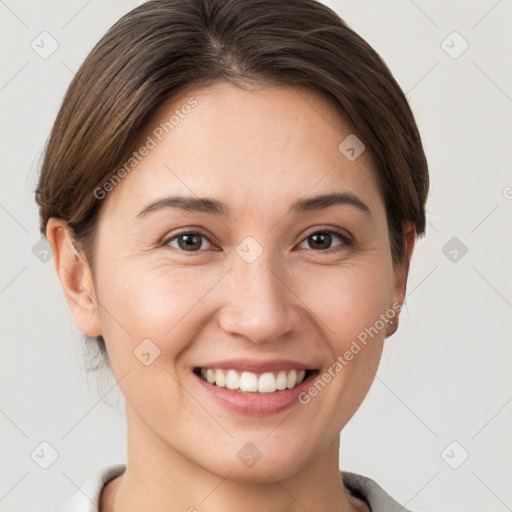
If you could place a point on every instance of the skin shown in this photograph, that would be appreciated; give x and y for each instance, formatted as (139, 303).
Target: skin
(258, 151)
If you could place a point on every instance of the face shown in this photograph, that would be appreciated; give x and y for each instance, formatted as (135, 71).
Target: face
(273, 282)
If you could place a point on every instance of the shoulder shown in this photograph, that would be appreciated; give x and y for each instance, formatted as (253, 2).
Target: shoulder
(86, 499)
(370, 491)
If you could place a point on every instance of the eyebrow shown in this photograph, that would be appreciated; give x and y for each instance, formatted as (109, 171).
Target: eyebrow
(215, 207)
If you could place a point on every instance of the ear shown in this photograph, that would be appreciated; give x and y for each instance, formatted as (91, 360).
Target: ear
(75, 277)
(401, 273)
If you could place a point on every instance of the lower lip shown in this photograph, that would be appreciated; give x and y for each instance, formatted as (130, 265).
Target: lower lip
(256, 404)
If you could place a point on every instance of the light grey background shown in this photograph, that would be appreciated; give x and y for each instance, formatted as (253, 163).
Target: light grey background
(444, 377)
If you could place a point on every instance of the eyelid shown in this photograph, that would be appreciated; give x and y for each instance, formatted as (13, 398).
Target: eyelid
(187, 230)
(342, 233)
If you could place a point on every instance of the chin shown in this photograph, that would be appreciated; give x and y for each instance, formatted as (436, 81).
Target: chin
(249, 464)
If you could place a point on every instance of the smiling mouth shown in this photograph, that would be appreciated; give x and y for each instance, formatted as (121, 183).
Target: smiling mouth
(249, 382)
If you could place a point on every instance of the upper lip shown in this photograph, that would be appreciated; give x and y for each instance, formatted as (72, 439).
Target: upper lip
(251, 365)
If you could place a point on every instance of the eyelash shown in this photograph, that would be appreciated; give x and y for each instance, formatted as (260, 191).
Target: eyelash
(347, 241)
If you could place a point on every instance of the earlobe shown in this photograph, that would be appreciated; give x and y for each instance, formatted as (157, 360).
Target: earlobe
(75, 277)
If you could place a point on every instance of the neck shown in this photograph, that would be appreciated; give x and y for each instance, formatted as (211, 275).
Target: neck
(161, 479)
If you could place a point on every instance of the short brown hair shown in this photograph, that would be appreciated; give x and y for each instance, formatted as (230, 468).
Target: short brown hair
(164, 46)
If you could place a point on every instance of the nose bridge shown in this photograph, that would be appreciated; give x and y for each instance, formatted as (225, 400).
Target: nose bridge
(258, 305)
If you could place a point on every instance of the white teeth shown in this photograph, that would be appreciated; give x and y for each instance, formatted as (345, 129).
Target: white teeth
(268, 382)
(249, 381)
(219, 379)
(291, 380)
(281, 380)
(232, 380)
(210, 376)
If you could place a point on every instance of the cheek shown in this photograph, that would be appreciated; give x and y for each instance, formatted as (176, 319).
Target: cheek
(348, 298)
(149, 319)
(349, 302)
(156, 304)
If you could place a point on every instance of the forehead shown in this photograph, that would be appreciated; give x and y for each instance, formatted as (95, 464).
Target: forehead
(247, 146)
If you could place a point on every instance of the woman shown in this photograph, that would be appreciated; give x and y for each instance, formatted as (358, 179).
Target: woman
(232, 191)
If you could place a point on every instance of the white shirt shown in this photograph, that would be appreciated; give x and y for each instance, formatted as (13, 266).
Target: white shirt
(88, 497)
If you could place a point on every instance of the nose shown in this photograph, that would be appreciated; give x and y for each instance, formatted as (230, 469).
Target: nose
(259, 302)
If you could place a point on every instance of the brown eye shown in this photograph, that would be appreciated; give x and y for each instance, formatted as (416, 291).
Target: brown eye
(321, 240)
(188, 242)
